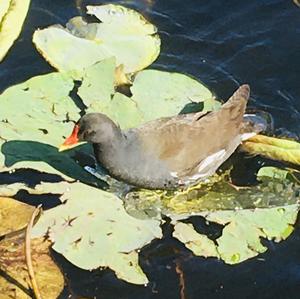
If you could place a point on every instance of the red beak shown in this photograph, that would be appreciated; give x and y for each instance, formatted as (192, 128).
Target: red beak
(71, 141)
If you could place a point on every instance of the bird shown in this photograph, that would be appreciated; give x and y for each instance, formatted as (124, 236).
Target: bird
(169, 152)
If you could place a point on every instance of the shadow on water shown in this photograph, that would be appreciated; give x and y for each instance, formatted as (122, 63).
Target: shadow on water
(22, 151)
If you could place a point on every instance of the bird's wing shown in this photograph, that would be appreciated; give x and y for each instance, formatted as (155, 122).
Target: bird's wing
(184, 141)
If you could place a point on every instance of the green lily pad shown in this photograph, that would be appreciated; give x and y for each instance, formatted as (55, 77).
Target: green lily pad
(123, 34)
(34, 120)
(97, 86)
(242, 232)
(199, 244)
(156, 99)
(243, 229)
(12, 16)
(98, 94)
(93, 230)
(150, 99)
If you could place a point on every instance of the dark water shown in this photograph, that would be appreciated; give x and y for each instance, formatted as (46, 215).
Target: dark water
(224, 44)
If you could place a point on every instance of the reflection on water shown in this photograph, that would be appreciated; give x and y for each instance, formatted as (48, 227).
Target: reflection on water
(224, 44)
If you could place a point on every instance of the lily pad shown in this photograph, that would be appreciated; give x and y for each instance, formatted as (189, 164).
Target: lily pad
(4, 6)
(93, 230)
(34, 120)
(150, 99)
(242, 232)
(97, 86)
(12, 16)
(123, 34)
(15, 283)
(14, 215)
(199, 244)
(160, 94)
(243, 229)
(215, 194)
(273, 148)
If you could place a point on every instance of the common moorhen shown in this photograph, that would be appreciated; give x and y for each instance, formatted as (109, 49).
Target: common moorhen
(168, 152)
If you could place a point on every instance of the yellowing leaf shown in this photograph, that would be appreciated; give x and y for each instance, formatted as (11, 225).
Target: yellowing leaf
(273, 148)
(217, 194)
(14, 215)
(4, 6)
(12, 263)
(11, 19)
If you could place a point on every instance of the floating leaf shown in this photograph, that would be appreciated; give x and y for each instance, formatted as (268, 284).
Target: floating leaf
(42, 188)
(93, 230)
(273, 148)
(243, 229)
(178, 90)
(15, 283)
(199, 244)
(14, 215)
(97, 86)
(273, 172)
(241, 235)
(34, 121)
(156, 99)
(12, 16)
(297, 2)
(123, 34)
(4, 6)
(216, 194)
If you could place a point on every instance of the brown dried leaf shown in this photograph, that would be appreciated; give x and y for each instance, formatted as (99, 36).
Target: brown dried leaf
(14, 215)
(14, 279)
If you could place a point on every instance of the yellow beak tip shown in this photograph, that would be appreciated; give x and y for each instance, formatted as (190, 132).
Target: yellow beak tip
(63, 148)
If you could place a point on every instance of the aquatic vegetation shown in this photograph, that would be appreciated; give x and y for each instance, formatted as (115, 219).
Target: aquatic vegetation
(93, 228)
(12, 16)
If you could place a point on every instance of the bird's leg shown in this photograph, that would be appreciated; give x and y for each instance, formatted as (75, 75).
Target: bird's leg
(115, 186)
(98, 173)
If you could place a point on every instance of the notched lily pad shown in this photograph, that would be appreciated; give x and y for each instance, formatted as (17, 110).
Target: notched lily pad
(30, 134)
(243, 229)
(150, 99)
(242, 232)
(93, 230)
(123, 34)
(155, 99)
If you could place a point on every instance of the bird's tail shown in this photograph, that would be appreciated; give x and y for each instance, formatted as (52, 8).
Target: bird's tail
(241, 95)
(235, 107)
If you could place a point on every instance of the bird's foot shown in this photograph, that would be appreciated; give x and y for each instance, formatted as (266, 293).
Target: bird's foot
(237, 188)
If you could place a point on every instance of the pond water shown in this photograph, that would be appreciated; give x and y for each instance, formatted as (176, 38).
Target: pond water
(224, 44)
